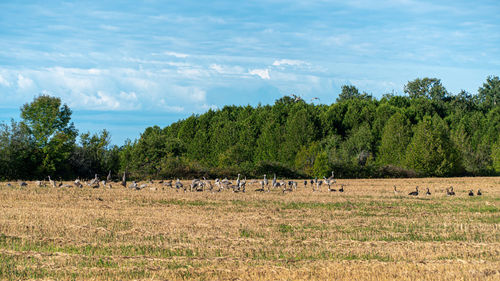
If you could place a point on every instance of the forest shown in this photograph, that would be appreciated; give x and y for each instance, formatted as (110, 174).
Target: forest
(426, 132)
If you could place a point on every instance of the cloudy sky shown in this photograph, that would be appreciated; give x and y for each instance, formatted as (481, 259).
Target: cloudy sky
(127, 65)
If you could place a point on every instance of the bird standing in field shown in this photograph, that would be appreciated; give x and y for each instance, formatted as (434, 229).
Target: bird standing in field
(428, 193)
(414, 193)
(450, 192)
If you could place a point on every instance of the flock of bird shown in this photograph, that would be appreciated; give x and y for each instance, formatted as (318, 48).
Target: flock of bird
(200, 185)
(449, 192)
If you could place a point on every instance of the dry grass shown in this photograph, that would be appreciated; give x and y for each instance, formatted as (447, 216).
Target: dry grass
(365, 233)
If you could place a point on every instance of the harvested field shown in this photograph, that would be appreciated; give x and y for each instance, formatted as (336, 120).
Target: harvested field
(365, 233)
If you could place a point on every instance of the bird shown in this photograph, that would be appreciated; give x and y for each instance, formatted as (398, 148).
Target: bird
(108, 178)
(168, 183)
(450, 192)
(428, 193)
(341, 188)
(314, 98)
(94, 180)
(471, 193)
(23, 184)
(78, 183)
(53, 183)
(396, 192)
(332, 176)
(479, 192)
(414, 193)
(133, 185)
(305, 183)
(179, 185)
(124, 180)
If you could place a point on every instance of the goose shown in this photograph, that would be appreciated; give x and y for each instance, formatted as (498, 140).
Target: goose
(341, 188)
(450, 192)
(108, 178)
(428, 193)
(471, 193)
(414, 193)
(168, 183)
(23, 184)
(479, 192)
(305, 183)
(396, 192)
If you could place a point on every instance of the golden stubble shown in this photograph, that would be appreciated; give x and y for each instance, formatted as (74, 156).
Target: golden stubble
(366, 233)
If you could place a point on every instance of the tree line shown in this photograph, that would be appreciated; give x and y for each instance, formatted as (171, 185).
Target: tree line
(426, 132)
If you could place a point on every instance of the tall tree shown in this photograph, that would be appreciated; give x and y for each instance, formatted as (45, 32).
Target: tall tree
(395, 138)
(489, 93)
(48, 122)
(430, 151)
(426, 88)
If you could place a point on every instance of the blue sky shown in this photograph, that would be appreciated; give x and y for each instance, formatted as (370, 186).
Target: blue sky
(127, 65)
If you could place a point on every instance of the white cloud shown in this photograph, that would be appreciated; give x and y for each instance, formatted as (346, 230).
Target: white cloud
(4, 81)
(288, 62)
(227, 70)
(177, 55)
(170, 108)
(262, 73)
(99, 100)
(24, 82)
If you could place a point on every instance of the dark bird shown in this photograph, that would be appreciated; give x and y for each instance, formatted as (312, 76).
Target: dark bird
(479, 192)
(341, 188)
(428, 193)
(414, 193)
(450, 192)
(471, 193)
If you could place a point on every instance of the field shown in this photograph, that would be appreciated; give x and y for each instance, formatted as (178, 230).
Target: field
(365, 233)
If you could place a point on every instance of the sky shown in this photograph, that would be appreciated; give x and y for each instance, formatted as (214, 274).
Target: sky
(127, 65)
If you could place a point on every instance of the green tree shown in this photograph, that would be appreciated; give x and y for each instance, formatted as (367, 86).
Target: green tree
(321, 167)
(395, 138)
(489, 93)
(495, 155)
(350, 92)
(16, 152)
(430, 151)
(92, 156)
(427, 88)
(48, 122)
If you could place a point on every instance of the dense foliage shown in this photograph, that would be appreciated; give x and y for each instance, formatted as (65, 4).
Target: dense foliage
(426, 132)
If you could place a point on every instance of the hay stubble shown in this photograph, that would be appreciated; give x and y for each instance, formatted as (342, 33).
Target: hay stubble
(365, 233)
